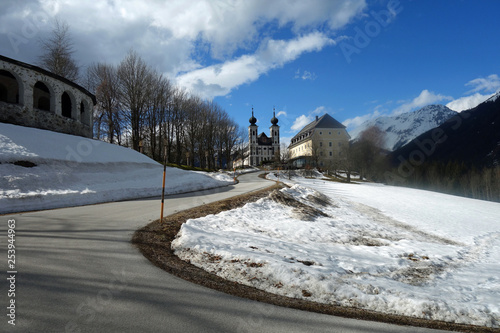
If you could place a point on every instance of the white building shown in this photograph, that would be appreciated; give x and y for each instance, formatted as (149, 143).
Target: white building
(261, 147)
(319, 144)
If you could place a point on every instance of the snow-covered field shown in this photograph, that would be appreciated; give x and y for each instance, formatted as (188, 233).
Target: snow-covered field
(69, 170)
(388, 249)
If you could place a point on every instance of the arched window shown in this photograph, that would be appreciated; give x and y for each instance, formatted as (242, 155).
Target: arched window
(41, 96)
(9, 88)
(66, 105)
(85, 112)
(3, 93)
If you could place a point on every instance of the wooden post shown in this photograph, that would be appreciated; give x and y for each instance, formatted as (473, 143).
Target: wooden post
(163, 186)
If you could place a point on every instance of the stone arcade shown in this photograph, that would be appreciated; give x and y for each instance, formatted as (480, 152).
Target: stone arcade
(31, 96)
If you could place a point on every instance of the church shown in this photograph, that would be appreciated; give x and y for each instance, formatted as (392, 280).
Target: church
(262, 148)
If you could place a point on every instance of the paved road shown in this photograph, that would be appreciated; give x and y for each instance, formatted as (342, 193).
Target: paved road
(78, 272)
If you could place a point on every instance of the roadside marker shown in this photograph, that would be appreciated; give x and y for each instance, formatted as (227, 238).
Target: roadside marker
(163, 186)
(163, 191)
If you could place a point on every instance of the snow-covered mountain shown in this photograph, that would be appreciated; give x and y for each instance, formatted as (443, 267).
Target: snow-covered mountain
(472, 138)
(403, 128)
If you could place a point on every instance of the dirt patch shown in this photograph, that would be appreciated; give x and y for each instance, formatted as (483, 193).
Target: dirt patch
(154, 242)
(320, 200)
(379, 217)
(301, 211)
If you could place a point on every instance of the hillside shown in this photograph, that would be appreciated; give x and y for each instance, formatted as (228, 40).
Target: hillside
(42, 170)
(471, 137)
(403, 128)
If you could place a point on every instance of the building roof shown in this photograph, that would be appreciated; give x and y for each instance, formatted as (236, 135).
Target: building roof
(325, 121)
(264, 140)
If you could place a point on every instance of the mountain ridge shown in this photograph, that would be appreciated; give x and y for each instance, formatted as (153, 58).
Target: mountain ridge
(402, 128)
(471, 137)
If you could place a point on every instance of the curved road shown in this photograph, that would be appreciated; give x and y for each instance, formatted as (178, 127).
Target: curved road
(78, 272)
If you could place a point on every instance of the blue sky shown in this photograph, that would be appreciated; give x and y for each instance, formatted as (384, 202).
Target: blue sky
(354, 59)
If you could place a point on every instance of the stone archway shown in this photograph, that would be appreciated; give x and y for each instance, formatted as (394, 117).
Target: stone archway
(66, 105)
(33, 97)
(41, 97)
(9, 88)
(84, 112)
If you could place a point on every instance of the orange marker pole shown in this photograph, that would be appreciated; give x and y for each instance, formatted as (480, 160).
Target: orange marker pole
(163, 192)
(163, 186)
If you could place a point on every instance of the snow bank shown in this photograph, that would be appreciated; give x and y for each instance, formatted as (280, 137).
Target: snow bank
(70, 171)
(388, 249)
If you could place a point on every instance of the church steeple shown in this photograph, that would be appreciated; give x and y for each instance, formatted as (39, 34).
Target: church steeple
(274, 120)
(252, 119)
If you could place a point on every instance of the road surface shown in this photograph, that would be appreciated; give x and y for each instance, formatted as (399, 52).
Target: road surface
(78, 272)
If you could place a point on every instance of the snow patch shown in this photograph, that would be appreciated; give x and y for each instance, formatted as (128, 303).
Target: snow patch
(68, 170)
(387, 249)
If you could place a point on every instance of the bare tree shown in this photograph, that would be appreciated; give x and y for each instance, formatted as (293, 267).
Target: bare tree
(346, 160)
(57, 56)
(316, 152)
(135, 79)
(103, 79)
(366, 152)
(173, 125)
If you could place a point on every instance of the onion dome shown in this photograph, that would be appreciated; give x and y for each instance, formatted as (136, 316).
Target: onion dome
(274, 120)
(252, 119)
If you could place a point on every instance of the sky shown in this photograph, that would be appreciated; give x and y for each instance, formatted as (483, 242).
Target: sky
(352, 59)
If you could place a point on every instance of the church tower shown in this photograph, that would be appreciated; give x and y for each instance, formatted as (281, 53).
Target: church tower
(252, 140)
(261, 148)
(275, 134)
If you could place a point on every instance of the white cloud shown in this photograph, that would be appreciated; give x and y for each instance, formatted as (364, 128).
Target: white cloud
(306, 75)
(355, 122)
(318, 110)
(220, 79)
(425, 98)
(489, 84)
(301, 121)
(281, 113)
(179, 36)
(467, 102)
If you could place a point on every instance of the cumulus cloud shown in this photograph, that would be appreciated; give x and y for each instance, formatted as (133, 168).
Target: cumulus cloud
(355, 122)
(425, 98)
(183, 38)
(220, 79)
(467, 102)
(303, 120)
(488, 84)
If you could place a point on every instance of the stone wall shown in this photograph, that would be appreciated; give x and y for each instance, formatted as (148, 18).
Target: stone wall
(33, 97)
